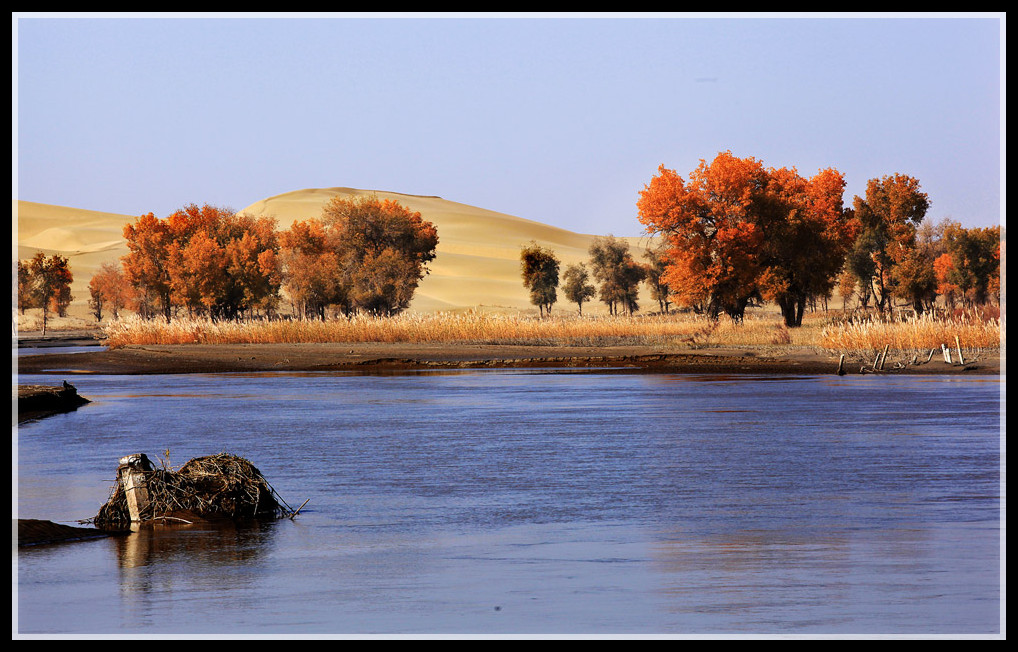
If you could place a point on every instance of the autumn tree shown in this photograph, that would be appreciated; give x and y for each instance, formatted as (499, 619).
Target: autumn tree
(46, 281)
(618, 274)
(888, 216)
(206, 259)
(737, 232)
(311, 271)
(146, 265)
(946, 274)
(222, 264)
(847, 284)
(383, 249)
(109, 288)
(540, 269)
(973, 264)
(26, 299)
(806, 235)
(713, 243)
(576, 285)
(914, 280)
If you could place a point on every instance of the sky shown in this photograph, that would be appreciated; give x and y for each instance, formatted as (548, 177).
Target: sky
(558, 118)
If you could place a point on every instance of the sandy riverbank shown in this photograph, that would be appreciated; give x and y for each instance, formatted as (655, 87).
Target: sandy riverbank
(373, 357)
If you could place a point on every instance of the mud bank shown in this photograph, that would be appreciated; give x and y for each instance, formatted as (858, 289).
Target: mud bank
(37, 401)
(35, 532)
(376, 357)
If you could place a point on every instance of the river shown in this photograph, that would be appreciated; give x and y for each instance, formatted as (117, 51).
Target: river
(538, 502)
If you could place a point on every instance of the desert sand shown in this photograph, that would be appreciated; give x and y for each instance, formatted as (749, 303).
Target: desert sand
(476, 264)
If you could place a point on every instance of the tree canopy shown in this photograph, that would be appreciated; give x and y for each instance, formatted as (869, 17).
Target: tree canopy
(618, 274)
(576, 285)
(382, 249)
(45, 282)
(208, 260)
(883, 254)
(540, 268)
(737, 232)
(361, 254)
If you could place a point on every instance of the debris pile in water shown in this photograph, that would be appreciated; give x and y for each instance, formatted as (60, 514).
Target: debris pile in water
(214, 487)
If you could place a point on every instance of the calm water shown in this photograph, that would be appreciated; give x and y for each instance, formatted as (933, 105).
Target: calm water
(506, 502)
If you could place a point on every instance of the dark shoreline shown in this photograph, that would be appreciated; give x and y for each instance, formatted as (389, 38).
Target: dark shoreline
(35, 532)
(38, 401)
(390, 357)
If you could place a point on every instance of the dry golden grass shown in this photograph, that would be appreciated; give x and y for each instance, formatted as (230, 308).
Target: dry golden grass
(677, 329)
(920, 333)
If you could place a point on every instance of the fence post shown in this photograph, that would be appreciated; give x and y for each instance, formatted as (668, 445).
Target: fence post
(131, 476)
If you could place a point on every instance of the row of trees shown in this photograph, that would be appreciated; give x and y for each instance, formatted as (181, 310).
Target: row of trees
(733, 234)
(361, 255)
(960, 265)
(611, 266)
(736, 233)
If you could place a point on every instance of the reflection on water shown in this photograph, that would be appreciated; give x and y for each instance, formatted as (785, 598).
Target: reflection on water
(535, 502)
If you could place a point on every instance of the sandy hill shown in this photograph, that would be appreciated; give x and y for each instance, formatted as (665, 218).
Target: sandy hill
(477, 262)
(478, 258)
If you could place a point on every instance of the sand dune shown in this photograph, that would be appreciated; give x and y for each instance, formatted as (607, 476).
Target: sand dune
(477, 262)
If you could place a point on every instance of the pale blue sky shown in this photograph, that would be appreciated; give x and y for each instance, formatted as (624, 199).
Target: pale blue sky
(559, 119)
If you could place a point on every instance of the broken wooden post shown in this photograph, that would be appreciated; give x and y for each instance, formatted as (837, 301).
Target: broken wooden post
(841, 365)
(131, 474)
(957, 343)
(947, 353)
(883, 357)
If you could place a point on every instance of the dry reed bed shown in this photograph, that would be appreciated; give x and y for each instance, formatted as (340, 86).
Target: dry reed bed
(449, 327)
(676, 329)
(912, 334)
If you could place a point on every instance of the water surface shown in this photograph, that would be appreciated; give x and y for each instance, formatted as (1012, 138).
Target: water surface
(534, 502)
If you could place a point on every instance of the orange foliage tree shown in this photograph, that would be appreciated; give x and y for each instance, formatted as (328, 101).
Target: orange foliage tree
(206, 259)
(145, 265)
(46, 283)
(945, 272)
(973, 268)
(311, 272)
(109, 288)
(737, 232)
(382, 248)
(889, 214)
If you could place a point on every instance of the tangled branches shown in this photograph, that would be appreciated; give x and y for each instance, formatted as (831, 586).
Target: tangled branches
(211, 487)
